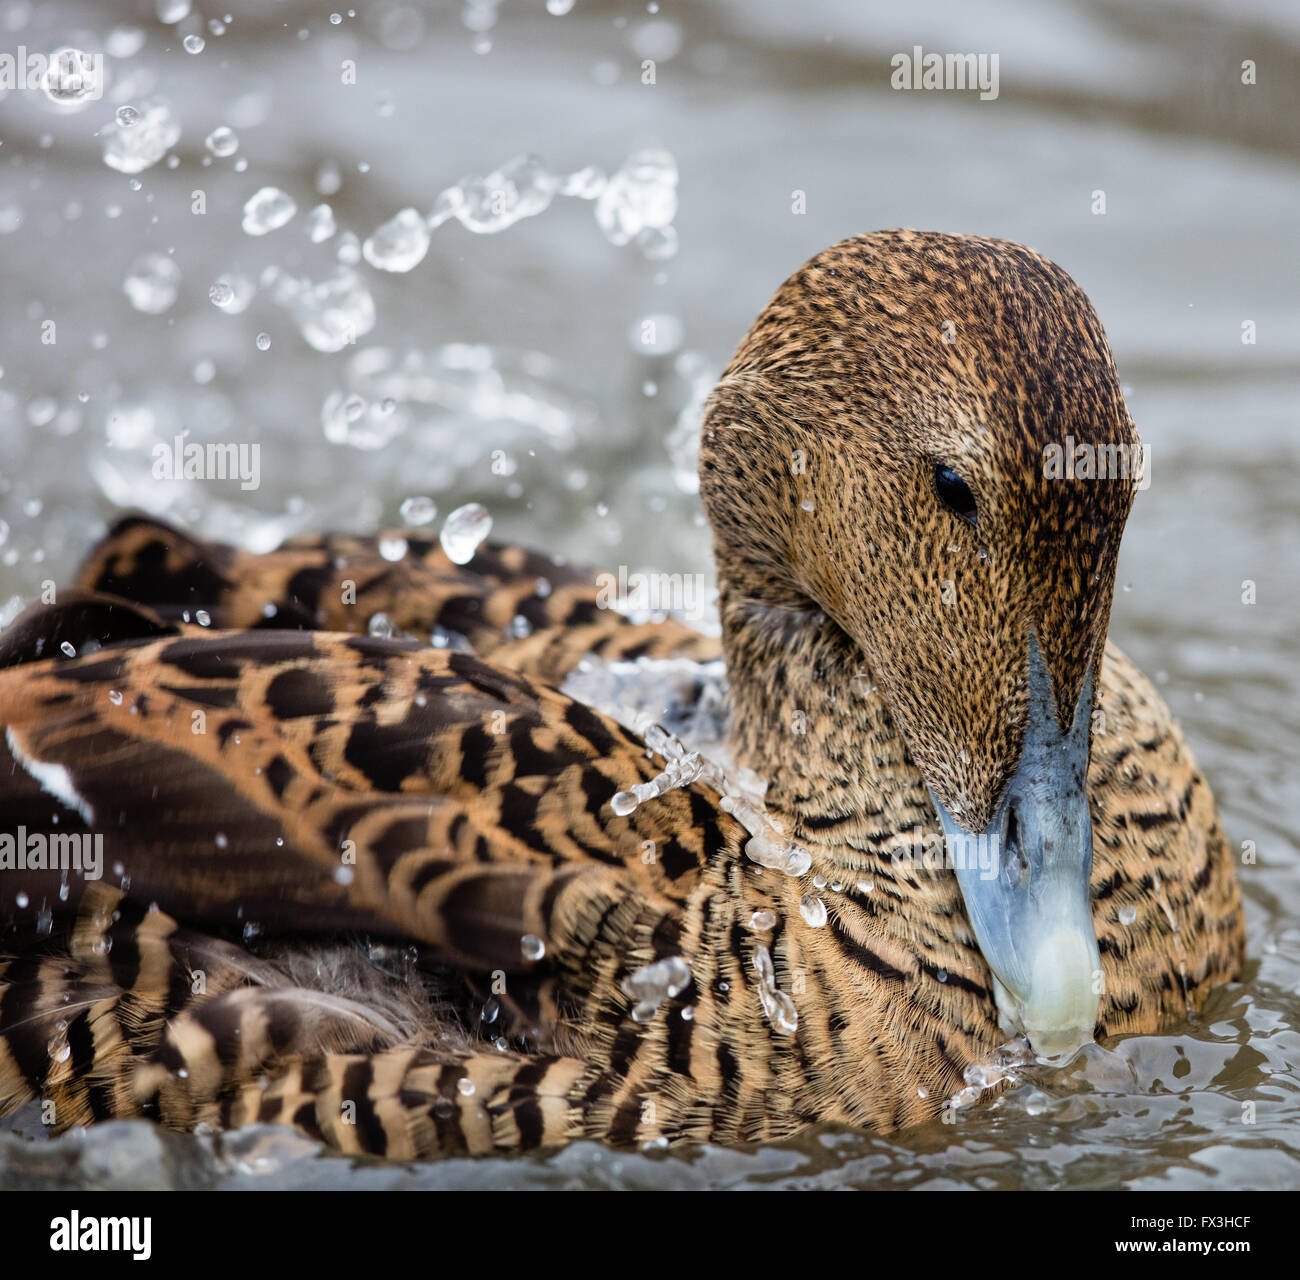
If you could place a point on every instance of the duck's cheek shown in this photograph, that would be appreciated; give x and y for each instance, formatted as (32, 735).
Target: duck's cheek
(1025, 881)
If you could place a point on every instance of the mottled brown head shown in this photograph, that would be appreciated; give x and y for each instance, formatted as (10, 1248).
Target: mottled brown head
(885, 358)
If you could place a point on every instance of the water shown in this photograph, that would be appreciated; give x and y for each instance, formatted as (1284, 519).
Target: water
(566, 203)
(464, 530)
(268, 210)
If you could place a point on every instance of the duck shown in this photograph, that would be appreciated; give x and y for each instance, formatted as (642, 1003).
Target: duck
(417, 900)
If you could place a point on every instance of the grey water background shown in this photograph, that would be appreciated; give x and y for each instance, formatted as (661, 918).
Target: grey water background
(526, 345)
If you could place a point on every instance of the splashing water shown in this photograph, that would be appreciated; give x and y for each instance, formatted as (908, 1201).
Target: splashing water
(767, 844)
(350, 419)
(742, 797)
(641, 197)
(332, 313)
(777, 1006)
(399, 244)
(683, 768)
(688, 698)
(521, 188)
(638, 203)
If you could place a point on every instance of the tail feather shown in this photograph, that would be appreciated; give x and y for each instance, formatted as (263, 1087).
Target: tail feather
(128, 1015)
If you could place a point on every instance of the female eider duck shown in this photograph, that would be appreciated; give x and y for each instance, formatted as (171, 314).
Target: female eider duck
(382, 891)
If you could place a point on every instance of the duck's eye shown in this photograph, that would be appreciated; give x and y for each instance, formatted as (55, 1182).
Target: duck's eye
(954, 493)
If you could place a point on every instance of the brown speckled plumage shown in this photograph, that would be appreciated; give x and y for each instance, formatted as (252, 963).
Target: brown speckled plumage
(440, 806)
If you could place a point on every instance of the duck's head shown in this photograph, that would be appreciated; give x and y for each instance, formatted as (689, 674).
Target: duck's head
(882, 467)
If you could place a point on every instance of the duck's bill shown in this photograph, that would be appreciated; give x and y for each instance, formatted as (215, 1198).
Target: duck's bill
(1027, 894)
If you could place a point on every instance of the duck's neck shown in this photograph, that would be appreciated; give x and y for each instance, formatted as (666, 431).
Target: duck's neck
(807, 716)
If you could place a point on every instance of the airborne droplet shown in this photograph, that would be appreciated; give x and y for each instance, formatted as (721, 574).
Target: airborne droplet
(464, 530)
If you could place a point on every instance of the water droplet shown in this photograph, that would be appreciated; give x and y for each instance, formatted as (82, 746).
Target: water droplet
(349, 250)
(585, 184)
(463, 531)
(172, 11)
(532, 947)
(777, 1006)
(193, 44)
(807, 505)
(331, 313)
(380, 626)
(1127, 914)
(813, 910)
(68, 649)
(654, 983)
(399, 244)
(393, 549)
(222, 141)
(124, 42)
(22, 900)
(263, 341)
(321, 224)
(418, 511)
(267, 210)
(145, 141)
(126, 116)
(657, 244)
(152, 283)
(73, 79)
(465, 1087)
(232, 293)
(522, 188)
(762, 921)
